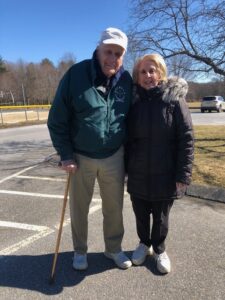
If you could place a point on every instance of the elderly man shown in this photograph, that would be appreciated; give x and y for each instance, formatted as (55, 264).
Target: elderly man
(87, 127)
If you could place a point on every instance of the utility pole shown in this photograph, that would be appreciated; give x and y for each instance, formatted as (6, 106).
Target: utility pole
(24, 99)
(12, 97)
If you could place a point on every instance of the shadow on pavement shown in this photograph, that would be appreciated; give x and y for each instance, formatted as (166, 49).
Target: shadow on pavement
(33, 272)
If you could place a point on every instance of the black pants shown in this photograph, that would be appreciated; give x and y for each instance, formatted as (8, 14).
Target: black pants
(160, 222)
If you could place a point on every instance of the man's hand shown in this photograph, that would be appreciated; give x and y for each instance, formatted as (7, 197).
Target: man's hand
(69, 166)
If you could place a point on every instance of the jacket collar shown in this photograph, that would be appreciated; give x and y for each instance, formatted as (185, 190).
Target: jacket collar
(174, 89)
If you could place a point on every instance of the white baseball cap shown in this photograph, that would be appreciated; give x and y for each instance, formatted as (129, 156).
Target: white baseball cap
(114, 36)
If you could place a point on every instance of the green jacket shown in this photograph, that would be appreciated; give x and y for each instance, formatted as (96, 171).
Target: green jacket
(82, 121)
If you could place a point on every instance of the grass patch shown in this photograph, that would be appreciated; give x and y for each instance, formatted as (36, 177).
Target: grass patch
(194, 105)
(209, 162)
(24, 123)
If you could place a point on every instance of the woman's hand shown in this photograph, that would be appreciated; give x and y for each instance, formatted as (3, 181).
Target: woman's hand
(181, 186)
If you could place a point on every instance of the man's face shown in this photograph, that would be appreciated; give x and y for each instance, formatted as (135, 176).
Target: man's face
(110, 58)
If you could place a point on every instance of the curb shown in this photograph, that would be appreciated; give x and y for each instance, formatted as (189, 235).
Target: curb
(206, 192)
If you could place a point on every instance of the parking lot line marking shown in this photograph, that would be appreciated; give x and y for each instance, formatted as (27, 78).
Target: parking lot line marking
(41, 178)
(22, 226)
(94, 208)
(91, 211)
(43, 233)
(30, 194)
(17, 174)
(18, 193)
(96, 199)
(11, 249)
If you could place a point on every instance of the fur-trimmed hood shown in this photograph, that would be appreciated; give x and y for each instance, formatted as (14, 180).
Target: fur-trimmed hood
(174, 89)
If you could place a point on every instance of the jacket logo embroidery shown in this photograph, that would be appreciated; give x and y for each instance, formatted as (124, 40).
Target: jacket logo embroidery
(119, 94)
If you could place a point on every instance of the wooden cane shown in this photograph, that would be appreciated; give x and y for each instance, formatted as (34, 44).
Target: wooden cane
(52, 278)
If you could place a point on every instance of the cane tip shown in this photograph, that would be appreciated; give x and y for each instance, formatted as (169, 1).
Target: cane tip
(51, 280)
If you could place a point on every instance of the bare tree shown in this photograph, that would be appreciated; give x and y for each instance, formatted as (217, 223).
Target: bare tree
(67, 60)
(19, 70)
(198, 90)
(2, 66)
(179, 65)
(184, 28)
(46, 80)
(31, 83)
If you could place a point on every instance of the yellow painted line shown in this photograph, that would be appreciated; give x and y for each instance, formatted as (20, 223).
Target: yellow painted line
(24, 106)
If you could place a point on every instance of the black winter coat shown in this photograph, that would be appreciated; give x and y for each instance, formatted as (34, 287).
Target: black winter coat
(160, 141)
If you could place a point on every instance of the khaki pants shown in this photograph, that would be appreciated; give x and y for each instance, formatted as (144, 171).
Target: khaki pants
(110, 175)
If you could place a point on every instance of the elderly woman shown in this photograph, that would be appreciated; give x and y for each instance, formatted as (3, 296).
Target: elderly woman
(160, 154)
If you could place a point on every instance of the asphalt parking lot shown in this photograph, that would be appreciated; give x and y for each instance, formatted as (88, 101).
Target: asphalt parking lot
(31, 196)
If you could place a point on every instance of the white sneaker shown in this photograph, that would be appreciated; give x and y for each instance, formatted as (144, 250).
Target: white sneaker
(140, 253)
(163, 262)
(80, 261)
(120, 259)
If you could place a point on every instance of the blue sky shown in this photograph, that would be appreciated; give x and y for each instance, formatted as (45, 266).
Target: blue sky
(35, 29)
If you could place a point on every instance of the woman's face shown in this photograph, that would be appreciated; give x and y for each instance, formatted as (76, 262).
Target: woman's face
(148, 75)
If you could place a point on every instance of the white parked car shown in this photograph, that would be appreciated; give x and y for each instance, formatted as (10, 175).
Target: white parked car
(210, 103)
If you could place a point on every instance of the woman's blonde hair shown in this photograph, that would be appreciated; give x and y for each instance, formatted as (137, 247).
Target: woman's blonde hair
(159, 62)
